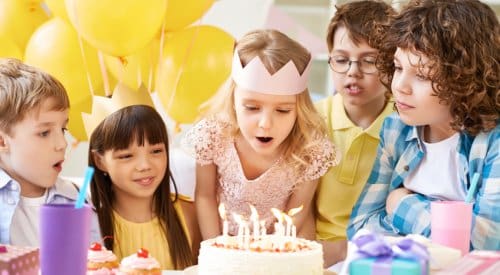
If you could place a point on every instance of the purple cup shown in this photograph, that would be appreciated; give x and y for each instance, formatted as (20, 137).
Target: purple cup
(64, 239)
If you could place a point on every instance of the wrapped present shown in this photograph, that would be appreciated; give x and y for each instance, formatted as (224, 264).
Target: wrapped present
(440, 256)
(374, 255)
(477, 262)
(18, 260)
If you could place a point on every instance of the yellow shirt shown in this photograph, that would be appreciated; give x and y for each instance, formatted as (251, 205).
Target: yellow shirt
(340, 187)
(130, 236)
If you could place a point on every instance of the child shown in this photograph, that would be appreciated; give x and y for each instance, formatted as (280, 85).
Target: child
(131, 192)
(354, 116)
(444, 69)
(266, 146)
(33, 118)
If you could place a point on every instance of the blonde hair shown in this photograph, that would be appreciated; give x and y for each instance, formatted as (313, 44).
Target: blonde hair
(275, 49)
(23, 89)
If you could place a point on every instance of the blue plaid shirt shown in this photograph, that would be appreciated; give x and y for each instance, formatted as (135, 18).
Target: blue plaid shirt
(399, 153)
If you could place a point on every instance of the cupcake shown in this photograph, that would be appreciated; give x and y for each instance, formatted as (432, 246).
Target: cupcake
(101, 261)
(140, 263)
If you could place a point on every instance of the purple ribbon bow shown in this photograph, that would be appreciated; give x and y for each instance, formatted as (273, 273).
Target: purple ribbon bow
(372, 245)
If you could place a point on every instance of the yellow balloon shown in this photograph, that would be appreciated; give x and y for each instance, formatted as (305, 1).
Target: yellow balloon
(19, 19)
(75, 124)
(9, 49)
(196, 61)
(55, 48)
(58, 8)
(181, 13)
(117, 27)
(137, 68)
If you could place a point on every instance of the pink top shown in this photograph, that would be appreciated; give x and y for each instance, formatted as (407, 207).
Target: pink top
(212, 143)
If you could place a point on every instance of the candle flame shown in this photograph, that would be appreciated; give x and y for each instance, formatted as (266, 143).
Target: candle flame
(255, 215)
(278, 214)
(292, 212)
(222, 211)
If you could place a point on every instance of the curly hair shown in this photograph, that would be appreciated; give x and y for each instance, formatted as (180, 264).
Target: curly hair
(366, 20)
(461, 39)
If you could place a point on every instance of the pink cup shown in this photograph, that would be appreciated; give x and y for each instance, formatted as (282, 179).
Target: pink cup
(451, 224)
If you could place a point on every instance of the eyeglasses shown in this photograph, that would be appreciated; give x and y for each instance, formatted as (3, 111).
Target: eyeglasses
(341, 64)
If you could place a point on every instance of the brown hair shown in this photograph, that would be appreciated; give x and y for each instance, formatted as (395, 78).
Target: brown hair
(461, 39)
(275, 50)
(364, 20)
(137, 123)
(23, 89)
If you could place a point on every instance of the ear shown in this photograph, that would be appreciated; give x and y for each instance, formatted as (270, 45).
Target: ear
(4, 144)
(99, 161)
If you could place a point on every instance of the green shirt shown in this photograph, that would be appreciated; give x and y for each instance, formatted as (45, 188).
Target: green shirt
(340, 187)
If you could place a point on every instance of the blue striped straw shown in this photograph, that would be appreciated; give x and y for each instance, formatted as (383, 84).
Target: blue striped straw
(83, 190)
(472, 188)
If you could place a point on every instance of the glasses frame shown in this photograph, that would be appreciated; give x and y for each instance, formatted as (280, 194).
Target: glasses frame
(330, 58)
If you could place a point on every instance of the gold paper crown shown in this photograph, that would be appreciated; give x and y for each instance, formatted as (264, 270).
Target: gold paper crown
(122, 97)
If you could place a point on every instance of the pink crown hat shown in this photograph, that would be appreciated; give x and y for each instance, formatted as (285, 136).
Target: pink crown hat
(255, 77)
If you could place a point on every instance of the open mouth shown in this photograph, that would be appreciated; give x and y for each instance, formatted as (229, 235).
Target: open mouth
(58, 166)
(264, 139)
(353, 89)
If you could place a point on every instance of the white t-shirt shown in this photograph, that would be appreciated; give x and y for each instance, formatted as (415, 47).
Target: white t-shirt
(437, 175)
(25, 222)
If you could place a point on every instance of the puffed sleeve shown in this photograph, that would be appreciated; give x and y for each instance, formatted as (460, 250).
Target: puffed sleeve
(205, 140)
(320, 157)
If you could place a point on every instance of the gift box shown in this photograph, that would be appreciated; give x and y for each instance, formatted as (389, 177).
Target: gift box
(374, 255)
(16, 260)
(440, 256)
(477, 262)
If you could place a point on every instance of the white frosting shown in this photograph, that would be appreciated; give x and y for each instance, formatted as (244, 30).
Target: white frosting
(135, 262)
(101, 256)
(305, 258)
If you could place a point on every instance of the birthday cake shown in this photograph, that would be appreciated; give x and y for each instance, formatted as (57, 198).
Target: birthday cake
(269, 254)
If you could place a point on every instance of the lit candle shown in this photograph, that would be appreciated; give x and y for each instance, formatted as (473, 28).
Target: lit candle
(289, 224)
(254, 217)
(278, 227)
(263, 228)
(225, 226)
(292, 212)
(239, 220)
(246, 233)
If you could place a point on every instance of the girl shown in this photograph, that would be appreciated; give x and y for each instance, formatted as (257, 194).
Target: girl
(131, 191)
(445, 82)
(264, 143)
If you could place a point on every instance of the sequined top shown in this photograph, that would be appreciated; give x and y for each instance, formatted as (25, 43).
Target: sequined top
(212, 143)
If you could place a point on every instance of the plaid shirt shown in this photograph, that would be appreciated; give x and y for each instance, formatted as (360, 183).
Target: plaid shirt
(400, 153)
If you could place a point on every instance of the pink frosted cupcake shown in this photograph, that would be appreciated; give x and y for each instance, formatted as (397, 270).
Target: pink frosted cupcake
(101, 261)
(140, 263)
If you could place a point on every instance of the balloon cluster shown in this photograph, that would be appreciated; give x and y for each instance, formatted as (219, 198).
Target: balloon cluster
(90, 45)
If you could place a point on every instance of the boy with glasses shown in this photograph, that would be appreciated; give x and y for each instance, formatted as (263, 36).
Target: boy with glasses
(354, 116)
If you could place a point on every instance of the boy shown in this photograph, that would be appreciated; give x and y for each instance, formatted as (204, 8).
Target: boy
(354, 116)
(446, 89)
(33, 118)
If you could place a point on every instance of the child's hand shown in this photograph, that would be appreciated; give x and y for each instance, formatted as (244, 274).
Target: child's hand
(394, 197)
